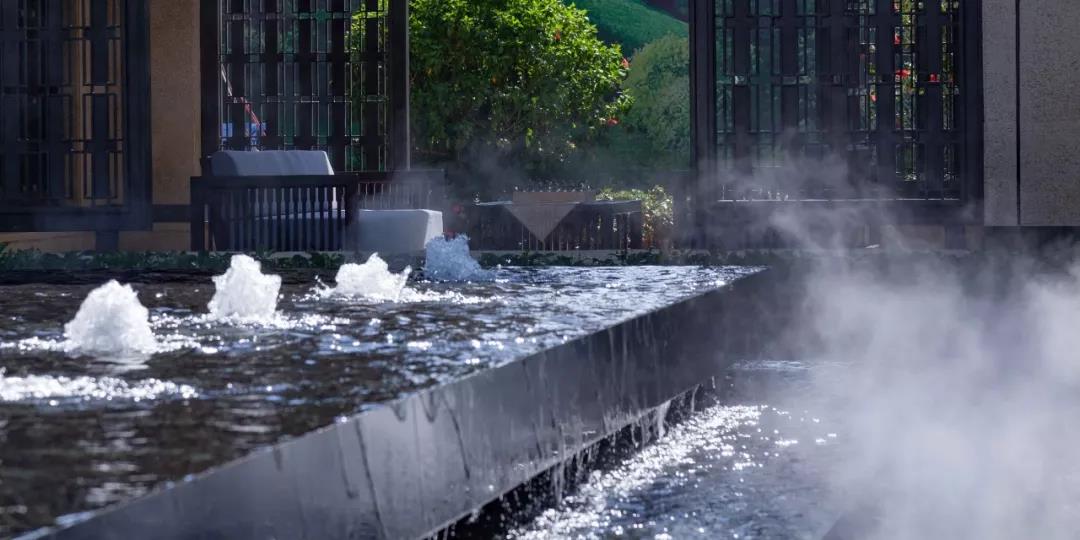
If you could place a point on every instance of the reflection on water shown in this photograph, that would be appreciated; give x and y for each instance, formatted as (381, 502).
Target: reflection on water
(753, 466)
(78, 433)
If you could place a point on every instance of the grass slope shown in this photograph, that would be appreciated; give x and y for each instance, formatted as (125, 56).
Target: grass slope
(630, 22)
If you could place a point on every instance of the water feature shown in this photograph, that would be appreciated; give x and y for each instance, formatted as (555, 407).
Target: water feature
(448, 259)
(934, 399)
(372, 280)
(78, 432)
(244, 293)
(755, 465)
(111, 321)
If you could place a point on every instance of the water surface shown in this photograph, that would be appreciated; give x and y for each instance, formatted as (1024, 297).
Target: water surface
(754, 466)
(78, 433)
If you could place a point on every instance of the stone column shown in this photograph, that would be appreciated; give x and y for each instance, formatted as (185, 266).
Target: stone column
(1032, 115)
(999, 103)
(1049, 113)
(175, 119)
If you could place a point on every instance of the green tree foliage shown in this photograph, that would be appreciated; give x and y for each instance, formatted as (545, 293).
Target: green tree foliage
(631, 23)
(659, 82)
(519, 84)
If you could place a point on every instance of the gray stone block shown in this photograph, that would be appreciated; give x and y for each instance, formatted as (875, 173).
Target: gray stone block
(393, 231)
(999, 103)
(1049, 113)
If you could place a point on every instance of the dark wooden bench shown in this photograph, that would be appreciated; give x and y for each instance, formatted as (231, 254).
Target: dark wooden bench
(300, 213)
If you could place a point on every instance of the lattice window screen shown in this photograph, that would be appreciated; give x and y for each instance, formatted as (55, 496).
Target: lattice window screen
(874, 84)
(307, 74)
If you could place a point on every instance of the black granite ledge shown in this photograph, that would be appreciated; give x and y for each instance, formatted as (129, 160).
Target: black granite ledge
(419, 465)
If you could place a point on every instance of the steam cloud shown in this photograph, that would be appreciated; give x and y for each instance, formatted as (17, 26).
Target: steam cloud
(961, 405)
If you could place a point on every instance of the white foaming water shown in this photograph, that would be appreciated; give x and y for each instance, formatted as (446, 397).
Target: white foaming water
(373, 279)
(56, 389)
(111, 321)
(244, 293)
(449, 260)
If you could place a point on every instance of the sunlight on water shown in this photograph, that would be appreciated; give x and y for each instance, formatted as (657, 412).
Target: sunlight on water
(595, 507)
(746, 468)
(304, 363)
(58, 390)
(244, 293)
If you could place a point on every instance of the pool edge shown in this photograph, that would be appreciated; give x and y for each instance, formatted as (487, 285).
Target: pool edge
(422, 462)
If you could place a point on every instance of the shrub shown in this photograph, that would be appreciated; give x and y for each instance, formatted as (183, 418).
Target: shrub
(658, 207)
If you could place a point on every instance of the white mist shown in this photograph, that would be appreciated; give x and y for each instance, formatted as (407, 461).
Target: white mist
(962, 406)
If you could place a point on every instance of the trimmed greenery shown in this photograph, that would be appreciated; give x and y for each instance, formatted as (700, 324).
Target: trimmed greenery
(553, 258)
(645, 258)
(657, 205)
(16, 260)
(631, 22)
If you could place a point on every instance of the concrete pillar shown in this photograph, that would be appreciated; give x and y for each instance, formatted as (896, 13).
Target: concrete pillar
(1049, 113)
(175, 119)
(999, 103)
(1032, 130)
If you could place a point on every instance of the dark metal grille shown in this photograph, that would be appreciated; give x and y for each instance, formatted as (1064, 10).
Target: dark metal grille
(822, 99)
(305, 74)
(62, 92)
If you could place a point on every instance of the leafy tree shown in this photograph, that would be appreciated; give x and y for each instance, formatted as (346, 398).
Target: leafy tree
(501, 85)
(659, 82)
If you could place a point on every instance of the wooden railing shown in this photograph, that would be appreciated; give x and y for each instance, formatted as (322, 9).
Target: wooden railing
(299, 213)
(598, 225)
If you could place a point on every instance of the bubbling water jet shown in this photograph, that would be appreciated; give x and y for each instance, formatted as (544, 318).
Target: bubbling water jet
(111, 320)
(373, 279)
(449, 260)
(244, 292)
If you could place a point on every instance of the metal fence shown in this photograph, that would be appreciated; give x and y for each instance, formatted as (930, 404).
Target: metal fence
(299, 213)
(837, 99)
(825, 100)
(595, 225)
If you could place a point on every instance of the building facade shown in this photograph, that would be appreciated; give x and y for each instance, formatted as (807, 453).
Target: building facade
(109, 107)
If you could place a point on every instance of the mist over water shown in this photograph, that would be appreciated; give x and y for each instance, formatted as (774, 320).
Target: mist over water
(952, 389)
(962, 401)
